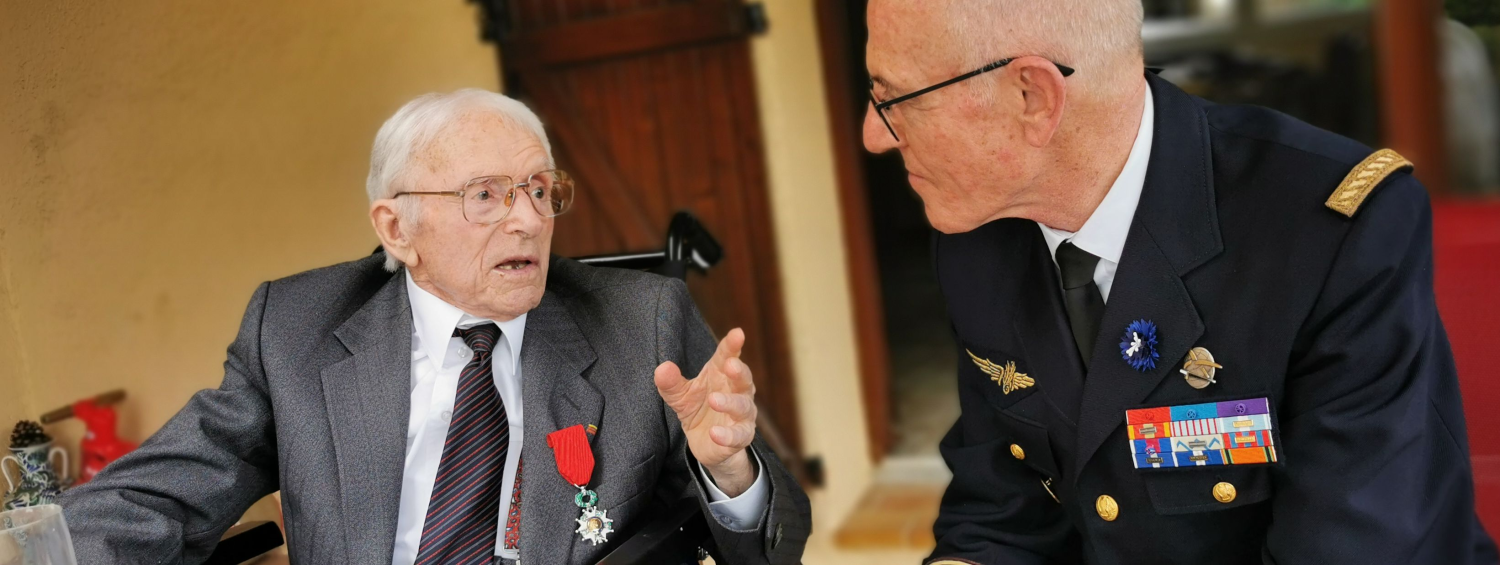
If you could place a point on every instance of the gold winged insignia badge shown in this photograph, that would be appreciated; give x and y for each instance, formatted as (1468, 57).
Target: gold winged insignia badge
(1007, 376)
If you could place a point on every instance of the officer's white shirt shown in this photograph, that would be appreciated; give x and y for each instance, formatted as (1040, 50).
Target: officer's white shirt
(1103, 235)
(437, 358)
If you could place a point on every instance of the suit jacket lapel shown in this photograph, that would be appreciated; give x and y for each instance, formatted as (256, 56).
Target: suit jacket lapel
(1175, 230)
(368, 402)
(554, 357)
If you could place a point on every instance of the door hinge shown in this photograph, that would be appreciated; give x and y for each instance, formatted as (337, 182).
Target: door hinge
(494, 20)
(812, 467)
(755, 17)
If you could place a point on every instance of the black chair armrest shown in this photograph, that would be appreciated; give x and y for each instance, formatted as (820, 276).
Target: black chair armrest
(673, 539)
(689, 245)
(244, 542)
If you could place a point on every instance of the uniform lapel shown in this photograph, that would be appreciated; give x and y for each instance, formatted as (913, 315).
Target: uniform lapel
(1042, 325)
(556, 395)
(1005, 281)
(368, 402)
(1175, 230)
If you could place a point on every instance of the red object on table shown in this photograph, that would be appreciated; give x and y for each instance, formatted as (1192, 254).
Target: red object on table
(100, 444)
(1466, 249)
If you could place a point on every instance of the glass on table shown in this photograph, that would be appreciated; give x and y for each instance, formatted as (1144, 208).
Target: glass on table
(36, 535)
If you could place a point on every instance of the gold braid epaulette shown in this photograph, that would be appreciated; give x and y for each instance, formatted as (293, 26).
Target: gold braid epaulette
(1367, 175)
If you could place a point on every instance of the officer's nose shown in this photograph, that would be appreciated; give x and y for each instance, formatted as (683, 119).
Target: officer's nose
(878, 139)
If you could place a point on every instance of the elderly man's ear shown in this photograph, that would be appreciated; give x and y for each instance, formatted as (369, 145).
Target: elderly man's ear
(1043, 94)
(394, 234)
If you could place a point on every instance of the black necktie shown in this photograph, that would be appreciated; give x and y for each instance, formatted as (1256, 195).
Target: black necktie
(464, 511)
(1081, 296)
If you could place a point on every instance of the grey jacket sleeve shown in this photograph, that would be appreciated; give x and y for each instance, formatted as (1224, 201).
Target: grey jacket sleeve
(684, 338)
(170, 500)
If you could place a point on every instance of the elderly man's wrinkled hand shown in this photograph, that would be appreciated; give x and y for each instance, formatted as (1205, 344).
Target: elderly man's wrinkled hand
(717, 411)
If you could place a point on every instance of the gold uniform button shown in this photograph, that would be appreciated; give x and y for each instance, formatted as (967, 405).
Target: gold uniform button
(1017, 452)
(1224, 492)
(1107, 508)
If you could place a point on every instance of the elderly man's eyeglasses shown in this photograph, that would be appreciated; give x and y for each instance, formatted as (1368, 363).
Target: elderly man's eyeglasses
(882, 107)
(487, 200)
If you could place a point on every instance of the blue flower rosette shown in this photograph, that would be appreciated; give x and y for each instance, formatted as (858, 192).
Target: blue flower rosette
(1138, 346)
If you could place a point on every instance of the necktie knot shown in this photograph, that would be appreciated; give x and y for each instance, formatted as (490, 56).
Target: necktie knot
(463, 513)
(480, 338)
(1077, 265)
(1081, 296)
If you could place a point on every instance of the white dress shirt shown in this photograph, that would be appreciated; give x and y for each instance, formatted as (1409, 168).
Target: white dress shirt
(437, 359)
(1103, 235)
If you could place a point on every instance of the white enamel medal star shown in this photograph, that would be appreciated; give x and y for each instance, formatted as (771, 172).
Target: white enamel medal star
(595, 526)
(1007, 376)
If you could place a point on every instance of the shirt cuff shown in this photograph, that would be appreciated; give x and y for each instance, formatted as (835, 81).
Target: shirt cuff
(743, 512)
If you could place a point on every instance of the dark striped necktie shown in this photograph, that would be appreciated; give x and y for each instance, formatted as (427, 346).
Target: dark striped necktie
(463, 514)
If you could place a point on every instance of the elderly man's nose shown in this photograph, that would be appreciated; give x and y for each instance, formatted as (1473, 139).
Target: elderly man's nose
(877, 137)
(523, 216)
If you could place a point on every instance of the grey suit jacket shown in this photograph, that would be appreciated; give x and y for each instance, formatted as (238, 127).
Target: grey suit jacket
(315, 400)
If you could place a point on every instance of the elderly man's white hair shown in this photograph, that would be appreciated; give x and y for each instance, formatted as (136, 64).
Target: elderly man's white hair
(1099, 38)
(418, 123)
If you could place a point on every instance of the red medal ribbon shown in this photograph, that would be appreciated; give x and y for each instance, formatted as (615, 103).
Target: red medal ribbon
(575, 461)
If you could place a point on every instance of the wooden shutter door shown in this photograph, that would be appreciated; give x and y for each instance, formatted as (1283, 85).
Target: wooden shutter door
(651, 105)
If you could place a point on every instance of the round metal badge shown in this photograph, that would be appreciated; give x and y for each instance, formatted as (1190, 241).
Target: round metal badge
(1199, 368)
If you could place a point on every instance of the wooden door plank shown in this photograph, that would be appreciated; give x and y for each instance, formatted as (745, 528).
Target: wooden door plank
(642, 111)
(651, 130)
(623, 107)
(637, 31)
(595, 167)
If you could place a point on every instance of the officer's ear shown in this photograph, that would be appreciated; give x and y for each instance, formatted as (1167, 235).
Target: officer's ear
(1044, 92)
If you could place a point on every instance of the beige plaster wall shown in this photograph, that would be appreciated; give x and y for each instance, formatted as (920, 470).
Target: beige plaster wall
(160, 158)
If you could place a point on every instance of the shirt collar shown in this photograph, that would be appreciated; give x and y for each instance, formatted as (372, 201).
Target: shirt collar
(434, 320)
(1103, 235)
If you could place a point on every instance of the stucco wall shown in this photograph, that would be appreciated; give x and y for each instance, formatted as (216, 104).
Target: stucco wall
(160, 158)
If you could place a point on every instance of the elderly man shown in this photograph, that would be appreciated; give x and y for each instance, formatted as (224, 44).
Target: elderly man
(1187, 333)
(462, 397)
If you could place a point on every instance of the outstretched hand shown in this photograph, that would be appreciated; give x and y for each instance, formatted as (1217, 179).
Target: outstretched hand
(717, 411)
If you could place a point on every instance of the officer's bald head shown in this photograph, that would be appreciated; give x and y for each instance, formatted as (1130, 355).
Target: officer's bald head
(1099, 38)
(1027, 140)
(1102, 37)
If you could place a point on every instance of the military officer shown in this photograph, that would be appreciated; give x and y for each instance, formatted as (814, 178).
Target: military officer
(1187, 333)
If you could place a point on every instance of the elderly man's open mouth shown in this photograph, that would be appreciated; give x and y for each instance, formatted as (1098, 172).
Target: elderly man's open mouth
(517, 265)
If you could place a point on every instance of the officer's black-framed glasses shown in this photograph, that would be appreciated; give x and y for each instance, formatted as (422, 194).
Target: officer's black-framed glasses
(881, 107)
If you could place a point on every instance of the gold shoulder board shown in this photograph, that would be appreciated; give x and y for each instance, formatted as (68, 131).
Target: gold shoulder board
(1367, 175)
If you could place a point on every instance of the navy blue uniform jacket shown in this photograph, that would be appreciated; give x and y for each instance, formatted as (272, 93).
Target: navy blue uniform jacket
(1331, 318)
